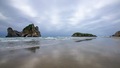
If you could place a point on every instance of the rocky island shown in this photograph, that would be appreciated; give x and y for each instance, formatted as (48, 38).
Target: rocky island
(78, 34)
(28, 31)
(117, 34)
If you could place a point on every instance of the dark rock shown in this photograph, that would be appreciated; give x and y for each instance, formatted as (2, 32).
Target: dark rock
(19, 34)
(28, 31)
(77, 34)
(31, 31)
(117, 34)
(13, 33)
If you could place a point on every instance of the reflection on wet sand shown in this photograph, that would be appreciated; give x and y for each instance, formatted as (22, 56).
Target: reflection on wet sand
(13, 45)
(97, 53)
(33, 42)
(33, 49)
(84, 40)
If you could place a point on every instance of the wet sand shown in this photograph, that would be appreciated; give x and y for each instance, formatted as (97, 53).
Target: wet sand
(71, 53)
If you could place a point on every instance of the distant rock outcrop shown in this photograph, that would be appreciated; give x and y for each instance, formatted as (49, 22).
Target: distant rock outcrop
(117, 34)
(28, 31)
(77, 34)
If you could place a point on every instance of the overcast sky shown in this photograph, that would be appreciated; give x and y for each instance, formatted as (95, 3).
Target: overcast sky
(61, 17)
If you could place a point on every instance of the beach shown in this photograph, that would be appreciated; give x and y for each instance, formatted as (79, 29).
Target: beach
(60, 52)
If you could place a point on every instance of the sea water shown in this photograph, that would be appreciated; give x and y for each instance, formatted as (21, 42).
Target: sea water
(59, 52)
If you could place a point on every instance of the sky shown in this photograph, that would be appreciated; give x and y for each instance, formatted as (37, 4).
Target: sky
(61, 17)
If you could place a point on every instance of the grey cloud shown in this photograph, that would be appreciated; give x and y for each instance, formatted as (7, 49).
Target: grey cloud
(54, 17)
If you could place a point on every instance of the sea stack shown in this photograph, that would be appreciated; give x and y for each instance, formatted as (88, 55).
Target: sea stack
(13, 33)
(28, 31)
(117, 34)
(31, 31)
(78, 34)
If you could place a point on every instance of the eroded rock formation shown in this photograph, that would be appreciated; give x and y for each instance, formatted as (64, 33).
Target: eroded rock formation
(31, 31)
(117, 34)
(13, 33)
(28, 31)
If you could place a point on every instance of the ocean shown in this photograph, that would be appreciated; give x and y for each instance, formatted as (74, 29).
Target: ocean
(60, 52)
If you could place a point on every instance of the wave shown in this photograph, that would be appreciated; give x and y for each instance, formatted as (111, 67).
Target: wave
(15, 39)
(26, 42)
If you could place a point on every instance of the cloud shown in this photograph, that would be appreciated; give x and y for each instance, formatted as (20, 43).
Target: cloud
(24, 6)
(88, 10)
(61, 17)
(54, 17)
(3, 17)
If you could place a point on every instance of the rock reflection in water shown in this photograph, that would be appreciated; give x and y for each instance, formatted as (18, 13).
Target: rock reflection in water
(97, 53)
(86, 39)
(33, 42)
(33, 49)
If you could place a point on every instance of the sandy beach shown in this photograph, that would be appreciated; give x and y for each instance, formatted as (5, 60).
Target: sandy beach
(65, 52)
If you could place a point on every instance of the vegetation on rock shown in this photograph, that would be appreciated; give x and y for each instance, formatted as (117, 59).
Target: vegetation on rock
(31, 30)
(78, 34)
